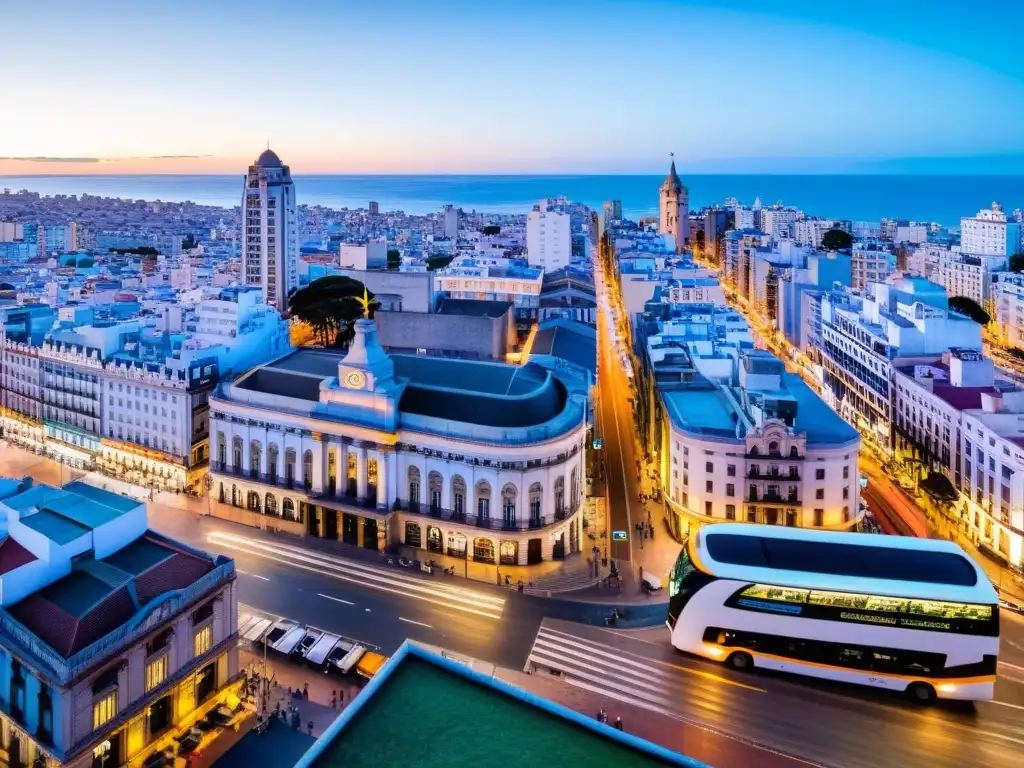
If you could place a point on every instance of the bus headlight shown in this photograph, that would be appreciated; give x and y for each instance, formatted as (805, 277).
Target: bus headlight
(714, 651)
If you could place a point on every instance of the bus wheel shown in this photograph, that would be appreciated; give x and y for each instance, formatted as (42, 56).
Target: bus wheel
(922, 693)
(740, 660)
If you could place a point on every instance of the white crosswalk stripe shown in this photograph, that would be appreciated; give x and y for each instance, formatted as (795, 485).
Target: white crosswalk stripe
(436, 592)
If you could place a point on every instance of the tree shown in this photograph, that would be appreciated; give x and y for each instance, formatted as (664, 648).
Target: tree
(438, 262)
(1017, 262)
(836, 240)
(329, 306)
(699, 239)
(971, 308)
(394, 259)
(492, 229)
(189, 242)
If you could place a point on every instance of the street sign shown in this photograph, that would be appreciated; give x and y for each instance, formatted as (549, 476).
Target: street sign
(598, 443)
(620, 536)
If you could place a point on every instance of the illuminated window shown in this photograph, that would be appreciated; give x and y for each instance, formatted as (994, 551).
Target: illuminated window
(203, 640)
(103, 710)
(156, 672)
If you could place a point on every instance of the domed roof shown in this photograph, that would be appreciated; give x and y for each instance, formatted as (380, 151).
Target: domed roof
(269, 159)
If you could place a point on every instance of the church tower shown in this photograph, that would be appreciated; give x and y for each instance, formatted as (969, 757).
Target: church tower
(674, 208)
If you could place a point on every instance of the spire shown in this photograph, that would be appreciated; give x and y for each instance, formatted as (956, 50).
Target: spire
(672, 181)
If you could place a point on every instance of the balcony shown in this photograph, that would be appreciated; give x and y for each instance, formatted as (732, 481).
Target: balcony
(489, 522)
(791, 500)
(756, 474)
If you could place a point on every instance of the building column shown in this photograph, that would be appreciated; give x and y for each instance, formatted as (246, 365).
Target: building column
(361, 531)
(342, 470)
(246, 458)
(391, 458)
(318, 466)
(524, 548)
(384, 498)
(360, 472)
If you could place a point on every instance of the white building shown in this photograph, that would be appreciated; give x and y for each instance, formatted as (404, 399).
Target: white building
(548, 240)
(954, 417)
(872, 262)
(270, 255)
(808, 232)
(990, 233)
(369, 255)
(491, 280)
(758, 446)
(779, 221)
(863, 337)
(1008, 306)
(451, 222)
(477, 460)
(674, 208)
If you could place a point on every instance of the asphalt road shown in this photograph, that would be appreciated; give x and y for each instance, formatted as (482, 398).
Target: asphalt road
(822, 724)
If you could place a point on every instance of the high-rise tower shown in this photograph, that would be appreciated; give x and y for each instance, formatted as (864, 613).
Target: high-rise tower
(270, 255)
(674, 208)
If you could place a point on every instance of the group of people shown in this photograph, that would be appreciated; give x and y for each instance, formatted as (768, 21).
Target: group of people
(602, 717)
(645, 530)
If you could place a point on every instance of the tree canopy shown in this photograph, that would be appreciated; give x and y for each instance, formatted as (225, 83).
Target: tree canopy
(836, 240)
(394, 259)
(189, 242)
(969, 307)
(438, 262)
(142, 250)
(1017, 262)
(492, 229)
(329, 306)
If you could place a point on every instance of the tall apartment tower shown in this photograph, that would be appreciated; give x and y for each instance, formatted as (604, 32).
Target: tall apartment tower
(270, 254)
(674, 208)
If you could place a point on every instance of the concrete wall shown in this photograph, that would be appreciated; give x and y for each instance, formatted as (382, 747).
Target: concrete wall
(485, 338)
(415, 288)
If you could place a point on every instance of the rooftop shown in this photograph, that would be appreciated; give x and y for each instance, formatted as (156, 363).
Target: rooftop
(389, 726)
(474, 307)
(98, 596)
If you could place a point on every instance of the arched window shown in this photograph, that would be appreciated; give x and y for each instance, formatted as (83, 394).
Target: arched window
(483, 501)
(434, 543)
(434, 485)
(508, 506)
(535, 497)
(754, 451)
(222, 450)
(509, 552)
(793, 452)
(456, 544)
(288, 509)
(255, 449)
(414, 489)
(574, 486)
(236, 454)
(272, 462)
(773, 448)
(254, 501)
(270, 504)
(307, 469)
(289, 466)
(483, 550)
(560, 495)
(458, 496)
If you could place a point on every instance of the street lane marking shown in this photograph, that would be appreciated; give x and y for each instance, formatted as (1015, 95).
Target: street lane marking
(335, 599)
(434, 593)
(417, 623)
(688, 670)
(1004, 704)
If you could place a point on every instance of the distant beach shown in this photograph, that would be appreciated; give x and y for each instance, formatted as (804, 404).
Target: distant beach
(942, 199)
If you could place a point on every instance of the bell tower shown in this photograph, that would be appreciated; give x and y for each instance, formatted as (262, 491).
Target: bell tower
(674, 208)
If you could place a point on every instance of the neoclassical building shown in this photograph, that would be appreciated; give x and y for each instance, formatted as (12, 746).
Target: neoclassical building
(466, 458)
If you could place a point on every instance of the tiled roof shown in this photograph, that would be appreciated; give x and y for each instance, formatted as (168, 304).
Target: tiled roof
(962, 398)
(101, 595)
(13, 555)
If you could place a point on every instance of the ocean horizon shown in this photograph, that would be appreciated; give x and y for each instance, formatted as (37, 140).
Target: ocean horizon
(862, 197)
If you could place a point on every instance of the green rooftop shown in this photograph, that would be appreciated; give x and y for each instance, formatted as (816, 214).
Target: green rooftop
(426, 716)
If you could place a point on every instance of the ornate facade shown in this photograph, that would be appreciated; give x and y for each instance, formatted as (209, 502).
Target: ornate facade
(465, 458)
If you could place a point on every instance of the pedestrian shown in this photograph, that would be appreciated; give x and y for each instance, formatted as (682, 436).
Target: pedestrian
(309, 727)
(334, 699)
(305, 691)
(519, 586)
(652, 533)
(618, 724)
(601, 716)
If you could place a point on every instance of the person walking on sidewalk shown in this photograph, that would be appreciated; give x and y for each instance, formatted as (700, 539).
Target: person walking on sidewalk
(618, 724)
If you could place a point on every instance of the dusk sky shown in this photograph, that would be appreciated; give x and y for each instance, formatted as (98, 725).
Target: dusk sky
(509, 87)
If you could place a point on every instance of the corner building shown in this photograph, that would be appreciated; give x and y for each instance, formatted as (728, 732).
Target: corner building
(464, 458)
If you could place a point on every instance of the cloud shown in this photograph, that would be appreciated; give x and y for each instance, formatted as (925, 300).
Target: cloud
(46, 159)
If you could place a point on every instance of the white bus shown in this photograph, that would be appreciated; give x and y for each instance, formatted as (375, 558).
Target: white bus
(913, 615)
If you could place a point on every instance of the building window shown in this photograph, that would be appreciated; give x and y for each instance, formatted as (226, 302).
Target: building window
(709, 486)
(819, 474)
(846, 493)
(730, 470)
(730, 489)
(819, 517)
(203, 640)
(730, 511)
(707, 508)
(846, 472)
(104, 709)
(819, 493)
(709, 467)
(156, 672)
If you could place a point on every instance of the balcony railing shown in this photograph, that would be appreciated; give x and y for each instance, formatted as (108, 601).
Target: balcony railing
(773, 498)
(755, 474)
(490, 522)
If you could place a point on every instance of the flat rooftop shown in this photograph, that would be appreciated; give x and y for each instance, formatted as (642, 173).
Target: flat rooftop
(466, 725)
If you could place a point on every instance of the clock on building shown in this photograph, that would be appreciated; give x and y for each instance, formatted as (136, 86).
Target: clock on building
(355, 380)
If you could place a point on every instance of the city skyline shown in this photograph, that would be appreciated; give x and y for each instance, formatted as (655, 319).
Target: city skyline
(458, 88)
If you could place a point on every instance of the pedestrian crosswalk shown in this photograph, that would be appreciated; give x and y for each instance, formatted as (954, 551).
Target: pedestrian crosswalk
(647, 683)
